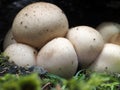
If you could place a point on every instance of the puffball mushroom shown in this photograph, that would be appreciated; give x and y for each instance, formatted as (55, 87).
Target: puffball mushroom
(8, 40)
(58, 57)
(115, 39)
(38, 23)
(110, 32)
(21, 54)
(108, 60)
(87, 42)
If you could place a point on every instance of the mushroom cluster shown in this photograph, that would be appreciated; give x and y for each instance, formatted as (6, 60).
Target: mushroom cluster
(109, 58)
(40, 36)
(37, 37)
(110, 32)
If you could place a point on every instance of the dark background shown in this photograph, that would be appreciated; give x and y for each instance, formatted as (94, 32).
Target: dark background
(78, 12)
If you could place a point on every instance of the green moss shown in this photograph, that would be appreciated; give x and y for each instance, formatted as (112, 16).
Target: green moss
(83, 80)
(10, 86)
(92, 81)
(31, 82)
(15, 82)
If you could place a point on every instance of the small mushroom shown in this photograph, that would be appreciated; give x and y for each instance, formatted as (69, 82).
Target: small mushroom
(38, 23)
(108, 60)
(110, 32)
(21, 54)
(87, 42)
(58, 57)
(115, 39)
(8, 40)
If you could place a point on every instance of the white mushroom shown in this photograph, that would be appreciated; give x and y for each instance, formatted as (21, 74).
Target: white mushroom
(115, 39)
(8, 40)
(109, 59)
(58, 57)
(88, 44)
(110, 32)
(38, 23)
(21, 54)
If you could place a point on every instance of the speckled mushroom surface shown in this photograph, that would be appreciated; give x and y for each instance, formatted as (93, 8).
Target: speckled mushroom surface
(38, 23)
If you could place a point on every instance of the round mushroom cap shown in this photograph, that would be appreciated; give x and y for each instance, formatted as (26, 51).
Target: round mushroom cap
(8, 40)
(21, 54)
(108, 60)
(87, 42)
(115, 39)
(38, 23)
(108, 29)
(58, 57)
